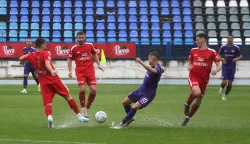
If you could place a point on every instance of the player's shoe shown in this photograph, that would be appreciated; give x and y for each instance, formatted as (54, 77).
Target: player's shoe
(38, 88)
(85, 112)
(185, 121)
(220, 91)
(186, 109)
(83, 119)
(129, 122)
(50, 122)
(24, 91)
(119, 126)
(224, 97)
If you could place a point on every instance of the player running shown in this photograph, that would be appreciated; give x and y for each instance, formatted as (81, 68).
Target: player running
(229, 55)
(199, 64)
(50, 81)
(144, 95)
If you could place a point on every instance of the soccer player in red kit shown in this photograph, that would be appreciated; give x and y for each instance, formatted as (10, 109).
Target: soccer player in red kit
(199, 64)
(49, 80)
(82, 54)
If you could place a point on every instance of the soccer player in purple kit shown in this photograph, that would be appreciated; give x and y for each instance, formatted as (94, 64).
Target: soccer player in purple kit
(145, 93)
(28, 67)
(229, 55)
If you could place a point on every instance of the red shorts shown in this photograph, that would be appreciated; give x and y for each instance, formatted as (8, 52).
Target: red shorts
(48, 91)
(84, 79)
(192, 81)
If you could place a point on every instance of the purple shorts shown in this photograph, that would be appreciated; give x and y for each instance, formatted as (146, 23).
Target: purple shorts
(142, 96)
(28, 69)
(228, 74)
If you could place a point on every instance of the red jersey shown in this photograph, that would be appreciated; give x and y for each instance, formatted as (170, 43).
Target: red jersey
(202, 61)
(83, 57)
(37, 60)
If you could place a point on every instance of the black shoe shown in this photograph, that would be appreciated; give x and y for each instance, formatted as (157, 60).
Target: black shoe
(186, 110)
(185, 121)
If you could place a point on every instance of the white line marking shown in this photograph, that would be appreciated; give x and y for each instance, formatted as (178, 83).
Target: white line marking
(42, 141)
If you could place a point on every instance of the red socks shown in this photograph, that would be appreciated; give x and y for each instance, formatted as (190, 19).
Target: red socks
(82, 99)
(91, 98)
(190, 99)
(193, 110)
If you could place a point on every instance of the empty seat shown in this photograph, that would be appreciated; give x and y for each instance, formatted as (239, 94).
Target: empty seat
(223, 26)
(35, 11)
(178, 41)
(12, 25)
(3, 3)
(197, 3)
(57, 18)
(110, 4)
(177, 18)
(166, 26)
(197, 11)
(209, 3)
(45, 34)
(67, 11)
(121, 3)
(45, 11)
(13, 11)
(155, 18)
(111, 34)
(89, 4)
(199, 26)
(24, 26)
(246, 18)
(238, 41)
(132, 3)
(46, 18)
(46, 4)
(212, 33)
(144, 33)
(246, 33)
(35, 4)
(244, 10)
(89, 26)
(210, 18)
(156, 41)
(166, 41)
(213, 41)
(221, 3)
(224, 41)
(122, 11)
(154, 11)
(133, 34)
(90, 34)
(122, 26)
(100, 26)
(23, 33)
(189, 41)
(24, 11)
(56, 11)
(187, 18)
(132, 11)
(144, 41)
(186, 3)
(34, 34)
(153, 3)
(235, 26)
(177, 34)
(89, 11)
(155, 26)
(233, 10)
(199, 18)
(56, 26)
(143, 11)
(174, 3)
(244, 3)
(68, 26)
(211, 26)
(155, 33)
(221, 11)
(13, 4)
(34, 26)
(144, 26)
(122, 18)
(78, 4)
(189, 34)
(188, 26)
(113, 39)
(209, 11)
(122, 39)
(224, 33)
(133, 26)
(56, 34)
(67, 3)
(13, 18)
(99, 11)
(45, 26)
(57, 4)
(164, 3)
(67, 34)
(176, 11)
(233, 18)
(166, 33)
(89, 18)
(165, 11)
(24, 4)
(78, 26)
(111, 18)
(122, 34)
(67, 18)
(236, 33)
(35, 18)
(187, 11)
(3, 25)
(143, 3)
(246, 25)
(233, 3)
(111, 26)
(135, 40)
(177, 26)
(222, 18)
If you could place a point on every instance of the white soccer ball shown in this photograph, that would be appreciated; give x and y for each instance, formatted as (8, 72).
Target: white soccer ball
(100, 117)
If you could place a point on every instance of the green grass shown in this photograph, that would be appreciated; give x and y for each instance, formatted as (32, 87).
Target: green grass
(22, 118)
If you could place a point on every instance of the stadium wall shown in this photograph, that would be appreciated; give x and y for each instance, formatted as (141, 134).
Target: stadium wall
(126, 69)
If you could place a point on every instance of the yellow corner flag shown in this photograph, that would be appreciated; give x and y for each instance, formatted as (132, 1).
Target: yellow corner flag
(103, 59)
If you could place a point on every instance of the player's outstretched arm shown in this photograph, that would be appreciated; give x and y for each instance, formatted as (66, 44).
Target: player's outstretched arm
(50, 69)
(70, 67)
(22, 59)
(217, 69)
(97, 61)
(147, 67)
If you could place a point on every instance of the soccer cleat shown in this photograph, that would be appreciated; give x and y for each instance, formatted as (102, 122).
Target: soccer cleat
(220, 92)
(85, 112)
(38, 88)
(83, 119)
(119, 126)
(50, 122)
(185, 121)
(24, 91)
(186, 109)
(129, 122)
(224, 98)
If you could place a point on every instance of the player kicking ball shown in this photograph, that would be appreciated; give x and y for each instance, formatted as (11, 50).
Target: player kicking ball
(49, 80)
(146, 93)
(200, 63)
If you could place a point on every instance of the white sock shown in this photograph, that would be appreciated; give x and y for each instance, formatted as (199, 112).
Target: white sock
(224, 95)
(50, 118)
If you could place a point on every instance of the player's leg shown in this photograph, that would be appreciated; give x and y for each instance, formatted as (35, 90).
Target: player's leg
(224, 81)
(229, 84)
(25, 80)
(33, 72)
(82, 89)
(91, 81)
(131, 98)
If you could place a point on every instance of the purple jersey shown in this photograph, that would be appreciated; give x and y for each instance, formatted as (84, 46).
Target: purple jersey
(229, 53)
(151, 80)
(27, 50)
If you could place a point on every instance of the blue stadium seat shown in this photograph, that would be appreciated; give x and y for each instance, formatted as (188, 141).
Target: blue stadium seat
(23, 34)
(154, 11)
(89, 11)
(187, 18)
(24, 4)
(89, 26)
(132, 11)
(91, 40)
(166, 34)
(176, 11)
(68, 40)
(90, 34)
(78, 4)
(177, 26)
(165, 11)
(13, 11)
(110, 3)
(56, 11)
(100, 33)
(177, 18)
(67, 18)
(3, 3)
(167, 41)
(174, 3)
(89, 18)
(46, 11)
(67, 11)
(99, 11)
(35, 11)
(78, 11)
(22, 39)
(13, 25)
(155, 18)
(155, 26)
(12, 39)
(186, 3)
(144, 41)
(189, 34)
(187, 11)
(3, 11)
(122, 34)
(189, 41)
(101, 40)
(100, 26)
(122, 39)
(68, 26)
(132, 3)
(177, 34)
(111, 34)
(178, 41)
(45, 26)
(13, 33)
(144, 33)
(34, 34)
(111, 18)
(67, 34)
(99, 3)
(156, 41)
(122, 18)
(13, 4)
(45, 34)
(3, 35)
(155, 33)
(24, 11)
(144, 26)
(143, 11)
(143, 18)
(57, 4)
(35, 4)
(143, 3)
(164, 3)
(122, 26)
(24, 26)
(56, 26)
(57, 18)
(166, 26)
(78, 26)
(111, 40)
(121, 3)
(67, 4)
(46, 4)
(56, 34)
(35, 18)
(122, 11)
(111, 26)
(89, 4)
(78, 18)
(133, 26)
(132, 18)
(133, 34)
(135, 40)
(3, 25)
(34, 26)
(188, 26)
(56, 40)
(153, 3)
(46, 18)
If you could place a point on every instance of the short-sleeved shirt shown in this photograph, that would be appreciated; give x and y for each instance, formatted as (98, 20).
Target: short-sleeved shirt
(229, 53)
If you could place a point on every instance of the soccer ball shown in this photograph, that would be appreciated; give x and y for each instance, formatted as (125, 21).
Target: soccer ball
(100, 117)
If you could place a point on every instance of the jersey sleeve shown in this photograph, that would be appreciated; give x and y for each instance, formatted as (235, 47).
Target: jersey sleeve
(238, 53)
(93, 50)
(191, 57)
(27, 57)
(221, 51)
(71, 54)
(47, 56)
(158, 69)
(215, 57)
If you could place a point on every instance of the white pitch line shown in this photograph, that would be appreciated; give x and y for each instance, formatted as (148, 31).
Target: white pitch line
(42, 141)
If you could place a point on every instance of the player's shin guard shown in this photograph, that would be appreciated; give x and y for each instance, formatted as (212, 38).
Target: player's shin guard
(129, 116)
(25, 82)
(48, 110)
(82, 99)
(229, 87)
(193, 110)
(91, 98)
(73, 106)
(127, 108)
(190, 99)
